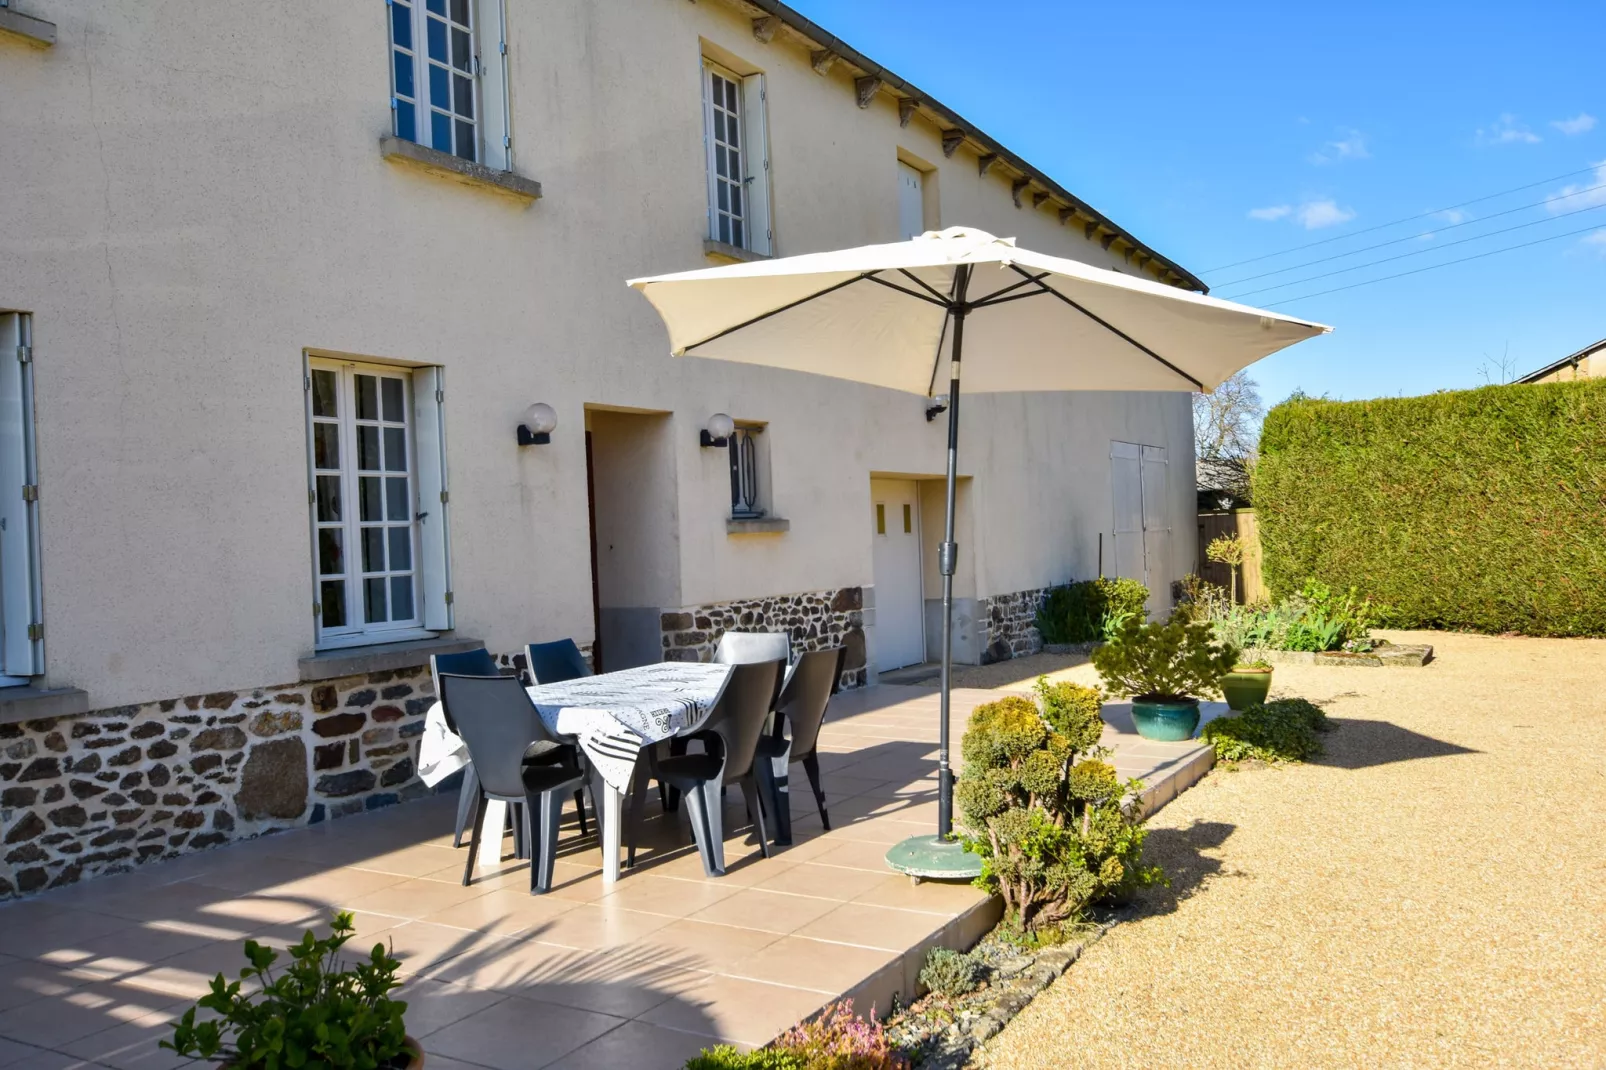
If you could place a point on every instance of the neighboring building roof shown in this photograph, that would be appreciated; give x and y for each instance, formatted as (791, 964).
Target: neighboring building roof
(872, 78)
(1572, 359)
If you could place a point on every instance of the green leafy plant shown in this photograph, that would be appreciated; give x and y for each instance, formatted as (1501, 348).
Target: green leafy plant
(1314, 618)
(1047, 816)
(1165, 660)
(1076, 612)
(726, 1057)
(949, 973)
(1283, 730)
(315, 1013)
(1471, 509)
(1257, 663)
(838, 1039)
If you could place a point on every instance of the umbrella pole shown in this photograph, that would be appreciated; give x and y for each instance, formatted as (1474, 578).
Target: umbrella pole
(946, 560)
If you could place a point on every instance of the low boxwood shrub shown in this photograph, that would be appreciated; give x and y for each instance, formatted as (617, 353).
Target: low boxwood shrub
(1047, 816)
(1165, 660)
(1474, 509)
(949, 973)
(1078, 612)
(1282, 730)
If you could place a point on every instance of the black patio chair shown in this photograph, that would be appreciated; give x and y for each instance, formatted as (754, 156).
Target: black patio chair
(519, 761)
(802, 707)
(476, 662)
(731, 737)
(555, 662)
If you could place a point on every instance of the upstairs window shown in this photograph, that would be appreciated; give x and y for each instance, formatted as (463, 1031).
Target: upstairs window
(738, 158)
(441, 94)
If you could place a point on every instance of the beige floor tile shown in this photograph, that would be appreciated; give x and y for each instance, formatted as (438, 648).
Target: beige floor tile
(503, 911)
(58, 1020)
(23, 981)
(13, 1050)
(412, 861)
(254, 873)
(636, 1045)
(415, 899)
(662, 895)
(703, 945)
(422, 945)
(803, 963)
(518, 1033)
(580, 883)
(773, 912)
(592, 926)
(133, 1045)
(333, 889)
(68, 930)
(739, 872)
(937, 897)
(42, 1059)
(852, 854)
(434, 1005)
(126, 950)
(871, 926)
(735, 1009)
(824, 882)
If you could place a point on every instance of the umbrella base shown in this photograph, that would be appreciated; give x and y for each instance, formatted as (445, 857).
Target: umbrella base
(930, 858)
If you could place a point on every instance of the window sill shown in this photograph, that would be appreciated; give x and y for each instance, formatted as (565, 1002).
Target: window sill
(758, 525)
(733, 253)
(378, 657)
(36, 32)
(37, 703)
(412, 154)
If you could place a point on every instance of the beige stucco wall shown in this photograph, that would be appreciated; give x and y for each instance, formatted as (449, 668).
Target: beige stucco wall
(191, 196)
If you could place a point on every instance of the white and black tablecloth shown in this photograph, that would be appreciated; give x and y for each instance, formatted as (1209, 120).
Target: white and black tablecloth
(612, 715)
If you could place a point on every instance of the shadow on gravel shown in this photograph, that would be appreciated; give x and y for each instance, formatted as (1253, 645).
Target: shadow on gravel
(1181, 853)
(1362, 744)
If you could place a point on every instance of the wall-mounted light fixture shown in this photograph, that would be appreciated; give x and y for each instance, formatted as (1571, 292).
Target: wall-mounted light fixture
(936, 406)
(538, 424)
(718, 432)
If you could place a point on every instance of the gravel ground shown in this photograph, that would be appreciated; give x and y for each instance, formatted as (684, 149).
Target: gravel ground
(1431, 893)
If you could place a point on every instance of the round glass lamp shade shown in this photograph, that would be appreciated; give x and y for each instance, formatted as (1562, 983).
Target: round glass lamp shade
(540, 418)
(721, 426)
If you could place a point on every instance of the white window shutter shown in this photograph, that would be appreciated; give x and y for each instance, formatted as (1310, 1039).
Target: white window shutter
(490, 31)
(1156, 528)
(21, 645)
(1126, 484)
(434, 538)
(757, 158)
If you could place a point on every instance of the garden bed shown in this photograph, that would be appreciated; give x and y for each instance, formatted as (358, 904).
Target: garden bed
(1383, 655)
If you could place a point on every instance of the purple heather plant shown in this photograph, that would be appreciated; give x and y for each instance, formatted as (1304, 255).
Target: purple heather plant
(838, 1039)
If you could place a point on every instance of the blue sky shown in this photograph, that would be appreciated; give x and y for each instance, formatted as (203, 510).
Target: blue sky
(1217, 133)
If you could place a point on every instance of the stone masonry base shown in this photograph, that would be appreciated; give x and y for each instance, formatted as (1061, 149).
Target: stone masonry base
(816, 620)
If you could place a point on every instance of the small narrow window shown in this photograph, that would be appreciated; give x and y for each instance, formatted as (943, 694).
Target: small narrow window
(908, 520)
(880, 518)
(727, 208)
(747, 470)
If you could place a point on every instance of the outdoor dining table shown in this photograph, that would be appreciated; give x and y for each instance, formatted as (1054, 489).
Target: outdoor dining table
(613, 716)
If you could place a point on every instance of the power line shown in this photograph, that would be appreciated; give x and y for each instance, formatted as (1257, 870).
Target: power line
(1434, 267)
(1397, 222)
(1416, 237)
(1417, 252)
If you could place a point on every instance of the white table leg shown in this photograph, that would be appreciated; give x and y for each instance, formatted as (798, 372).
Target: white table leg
(491, 835)
(611, 833)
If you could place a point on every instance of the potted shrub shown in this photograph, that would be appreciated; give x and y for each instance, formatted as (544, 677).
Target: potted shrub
(314, 1012)
(1247, 684)
(1166, 667)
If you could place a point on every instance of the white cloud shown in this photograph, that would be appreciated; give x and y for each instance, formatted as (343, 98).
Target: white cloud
(1452, 216)
(1352, 146)
(1576, 195)
(1582, 123)
(1314, 215)
(1596, 237)
(1270, 213)
(1507, 131)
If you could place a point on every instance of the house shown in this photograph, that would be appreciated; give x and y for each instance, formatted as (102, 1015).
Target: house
(328, 363)
(1573, 366)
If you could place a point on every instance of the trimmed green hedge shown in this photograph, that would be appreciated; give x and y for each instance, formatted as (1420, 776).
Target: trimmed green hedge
(1477, 509)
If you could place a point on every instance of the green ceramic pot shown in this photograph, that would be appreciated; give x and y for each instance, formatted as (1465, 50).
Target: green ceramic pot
(1170, 721)
(1244, 688)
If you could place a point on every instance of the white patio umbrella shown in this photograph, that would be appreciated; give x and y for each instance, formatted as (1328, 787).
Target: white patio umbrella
(893, 315)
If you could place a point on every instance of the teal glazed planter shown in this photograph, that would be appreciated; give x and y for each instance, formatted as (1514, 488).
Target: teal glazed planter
(1166, 722)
